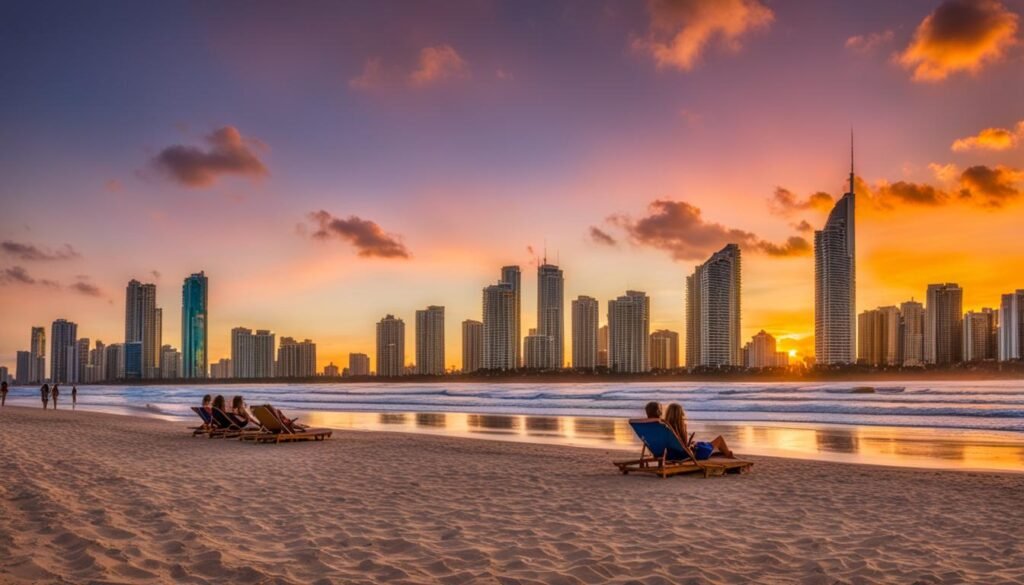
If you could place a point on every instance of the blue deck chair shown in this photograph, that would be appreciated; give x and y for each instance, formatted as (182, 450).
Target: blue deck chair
(670, 456)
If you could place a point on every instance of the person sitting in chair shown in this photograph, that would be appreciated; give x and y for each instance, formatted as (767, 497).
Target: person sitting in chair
(675, 418)
(653, 410)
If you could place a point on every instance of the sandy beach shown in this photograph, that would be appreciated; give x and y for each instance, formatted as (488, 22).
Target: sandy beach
(100, 498)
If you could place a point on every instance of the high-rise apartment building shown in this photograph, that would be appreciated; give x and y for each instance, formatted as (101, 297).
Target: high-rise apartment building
(602, 346)
(98, 363)
(81, 359)
(585, 313)
(1011, 326)
(501, 330)
(430, 341)
(132, 359)
(63, 352)
(537, 351)
(762, 352)
(296, 359)
(629, 324)
(243, 353)
(221, 369)
(264, 344)
(713, 311)
(37, 351)
(194, 325)
(513, 278)
(880, 337)
(331, 371)
(114, 361)
(390, 347)
(912, 319)
(551, 311)
(943, 324)
(835, 283)
(24, 372)
(980, 335)
(141, 324)
(664, 350)
(472, 345)
(358, 364)
(170, 363)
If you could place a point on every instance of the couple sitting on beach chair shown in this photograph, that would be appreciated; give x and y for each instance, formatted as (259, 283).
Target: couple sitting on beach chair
(672, 449)
(263, 424)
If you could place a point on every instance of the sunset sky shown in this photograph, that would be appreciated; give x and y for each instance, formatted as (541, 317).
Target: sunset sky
(326, 163)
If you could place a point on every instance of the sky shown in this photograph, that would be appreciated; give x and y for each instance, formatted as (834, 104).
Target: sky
(327, 163)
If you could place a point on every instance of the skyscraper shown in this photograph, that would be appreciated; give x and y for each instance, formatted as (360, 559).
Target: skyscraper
(37, 351)
(390, 347)
(980, 341)
(430, 341)
(194, 324)
(602, 346)
(358, 364)
(943, 324)
(141, 324)
(664, 350)
(264, 343)
(551, 311)
(713, 311)
(82, 359)
(98, 362)
(584, 332)
(912, 317)
(629, 324)
(500, 329)
(24, 371)
(114, 361)
(513, 277)
(243, 353)
(1011, 326)
(296, 359)
(762, 352)
(472, 345)
(835, 283)
(63, 358)
(537, 351)
(170, 363)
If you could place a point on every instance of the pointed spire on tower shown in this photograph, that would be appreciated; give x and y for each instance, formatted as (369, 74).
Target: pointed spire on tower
(851, 159)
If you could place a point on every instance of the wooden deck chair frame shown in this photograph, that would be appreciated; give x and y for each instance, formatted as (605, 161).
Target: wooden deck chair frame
(276, 431)
(662, 466)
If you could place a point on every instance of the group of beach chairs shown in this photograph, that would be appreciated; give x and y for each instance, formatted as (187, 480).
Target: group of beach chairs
(267, 428)
(664, 454)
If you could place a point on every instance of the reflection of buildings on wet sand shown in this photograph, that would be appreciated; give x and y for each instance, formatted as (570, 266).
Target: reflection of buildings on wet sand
(430, 419)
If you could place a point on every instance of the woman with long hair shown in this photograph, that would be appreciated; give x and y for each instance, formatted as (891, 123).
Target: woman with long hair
(675, 418)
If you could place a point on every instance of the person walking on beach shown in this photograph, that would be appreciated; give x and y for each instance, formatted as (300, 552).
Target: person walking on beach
(55, 392)
(74, 397)
(3, 393)
(44, 393)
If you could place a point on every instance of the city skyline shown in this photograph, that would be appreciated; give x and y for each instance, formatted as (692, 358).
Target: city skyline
(315, 190)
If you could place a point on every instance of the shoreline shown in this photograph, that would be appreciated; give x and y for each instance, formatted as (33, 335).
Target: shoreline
(119, 499)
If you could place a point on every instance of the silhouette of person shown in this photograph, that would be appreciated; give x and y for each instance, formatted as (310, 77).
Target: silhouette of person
(74, 397)
(3, 393)
(44, 393)
(55, 392)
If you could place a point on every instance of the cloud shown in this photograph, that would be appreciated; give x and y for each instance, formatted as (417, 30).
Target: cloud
(888, 194)
(437, 64)
(18, 275)
(86, 288)
(960, 35)
(229, 153)
(991, 139)
(989, 186)
(372, 76)
(365, 235)
(804, 227)
(944, 173)
(678, 227)
(31, 253)
(602, 237)
(869, 42)
(155, 273)
(785, 202)
(681, 30)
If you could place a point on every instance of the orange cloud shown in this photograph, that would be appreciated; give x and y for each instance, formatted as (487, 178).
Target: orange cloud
(32, 253)
(991, 186)
(991, 139)
(368, 237)
(438, 64)
(679, 228)
(680, 30)
(785, 202)
(229, 153)
(372, 76)
(600, 236)
(961, 35)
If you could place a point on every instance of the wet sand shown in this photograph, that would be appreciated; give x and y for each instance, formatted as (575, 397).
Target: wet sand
(91, 497)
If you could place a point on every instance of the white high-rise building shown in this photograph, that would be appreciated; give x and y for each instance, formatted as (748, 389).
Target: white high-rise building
(912, 317)
(170, 363)
(537, 351)
(472, 345)
(243, 353)
(980, 339)
(835, 283)
(629, 324)
(943, 324)
(713, 311)
(430, 341)
(37, 351)
(390, 347)
(501, 335)
(1011, 326)
(264, 344)
(585, 312)
(551, 311)
(63, 352)
(296, 359)
(513, 278)
(142, 324)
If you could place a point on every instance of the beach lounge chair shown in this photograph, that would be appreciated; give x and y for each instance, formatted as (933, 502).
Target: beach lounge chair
(670, 456)
(207, 426)
(275, 431)
(226, 427)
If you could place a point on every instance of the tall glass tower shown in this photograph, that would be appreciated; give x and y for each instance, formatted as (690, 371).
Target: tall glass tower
(194, 326)
(835, 284)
